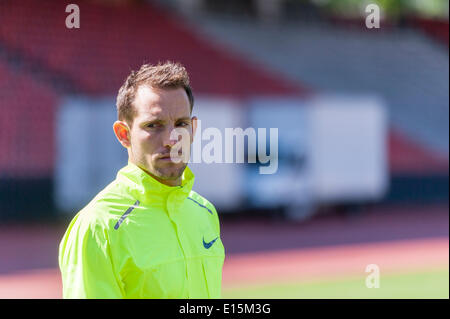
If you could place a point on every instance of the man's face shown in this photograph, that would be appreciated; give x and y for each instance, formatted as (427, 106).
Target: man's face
(158, 113)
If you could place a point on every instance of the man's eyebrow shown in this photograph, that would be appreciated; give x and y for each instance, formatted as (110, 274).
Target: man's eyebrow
(186, 118)
(161, 121)
(153, 121)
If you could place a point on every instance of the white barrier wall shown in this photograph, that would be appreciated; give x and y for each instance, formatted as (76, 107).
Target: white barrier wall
(221, 183)
(348, 153)
(331, 149)
(290, 184)
(88, 154)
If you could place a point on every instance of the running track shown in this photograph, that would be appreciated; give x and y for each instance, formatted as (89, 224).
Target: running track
(395, 238)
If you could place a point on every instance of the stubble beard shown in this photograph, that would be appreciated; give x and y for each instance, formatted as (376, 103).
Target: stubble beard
(171, 172)
(163, 172)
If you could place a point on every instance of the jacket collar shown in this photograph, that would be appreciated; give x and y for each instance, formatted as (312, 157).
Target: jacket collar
(145, 188)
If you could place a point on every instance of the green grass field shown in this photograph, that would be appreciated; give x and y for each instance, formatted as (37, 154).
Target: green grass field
(429, 284)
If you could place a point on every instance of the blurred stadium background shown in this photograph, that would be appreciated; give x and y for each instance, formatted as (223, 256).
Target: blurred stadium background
(362, 114)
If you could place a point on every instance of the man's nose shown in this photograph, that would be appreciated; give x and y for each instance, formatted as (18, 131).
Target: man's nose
(170, 139)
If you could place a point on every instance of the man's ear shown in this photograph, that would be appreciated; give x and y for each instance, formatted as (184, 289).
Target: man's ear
(122, 132)
(194, 127)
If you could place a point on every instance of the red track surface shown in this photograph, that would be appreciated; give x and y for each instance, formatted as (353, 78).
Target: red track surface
(276, 267)
(260, 251)
(331, 262)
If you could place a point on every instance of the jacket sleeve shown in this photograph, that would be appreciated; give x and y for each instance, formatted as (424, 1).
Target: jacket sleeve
(86, 265)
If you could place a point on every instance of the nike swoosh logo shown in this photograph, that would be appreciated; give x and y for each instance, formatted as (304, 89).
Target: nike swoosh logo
(208, 245)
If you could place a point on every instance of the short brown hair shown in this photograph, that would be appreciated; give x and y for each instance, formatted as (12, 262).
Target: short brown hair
(168, 75)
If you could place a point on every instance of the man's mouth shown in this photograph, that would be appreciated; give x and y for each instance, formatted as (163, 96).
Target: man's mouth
(168, 158)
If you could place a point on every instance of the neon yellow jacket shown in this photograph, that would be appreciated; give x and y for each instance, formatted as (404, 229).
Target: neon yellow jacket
(139, 238)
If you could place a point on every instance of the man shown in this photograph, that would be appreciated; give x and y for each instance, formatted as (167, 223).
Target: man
(147, 234)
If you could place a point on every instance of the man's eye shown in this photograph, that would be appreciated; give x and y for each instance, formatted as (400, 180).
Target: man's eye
(183, 124)
(152, 125)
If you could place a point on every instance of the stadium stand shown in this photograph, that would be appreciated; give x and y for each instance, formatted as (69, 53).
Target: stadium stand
(27, 123)
(41, 61)
(27, 145)
(402, 66)
(114, 39)
(408, 157)
(437, 29)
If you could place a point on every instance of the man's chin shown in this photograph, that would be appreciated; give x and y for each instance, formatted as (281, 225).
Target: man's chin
(170, 174)
(166, 172)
